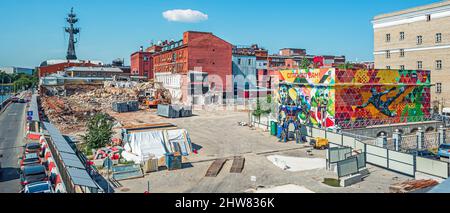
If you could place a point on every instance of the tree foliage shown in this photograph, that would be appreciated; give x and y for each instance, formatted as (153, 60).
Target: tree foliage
(305, 64)
(262, 110)
(99, 131)
(19, 81)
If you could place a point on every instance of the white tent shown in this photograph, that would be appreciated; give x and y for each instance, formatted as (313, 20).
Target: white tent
(144, 145)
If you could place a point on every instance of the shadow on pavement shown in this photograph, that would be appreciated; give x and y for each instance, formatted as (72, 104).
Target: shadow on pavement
(103, 183)
(196, 147)
(8, 174)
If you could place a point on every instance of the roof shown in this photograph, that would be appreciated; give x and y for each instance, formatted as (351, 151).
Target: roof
(81, 178)
(72, 163)
(145, 127)
(71, 160)
(61, 61)
(94, 69)
(34, 108)
(414, 9)
(61, 144)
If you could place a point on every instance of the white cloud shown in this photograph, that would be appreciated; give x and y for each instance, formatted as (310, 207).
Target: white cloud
(186, 16)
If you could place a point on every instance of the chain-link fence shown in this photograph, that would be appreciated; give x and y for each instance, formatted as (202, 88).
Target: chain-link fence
(376, 122)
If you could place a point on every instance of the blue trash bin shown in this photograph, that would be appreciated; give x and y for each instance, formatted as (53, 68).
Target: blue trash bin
(279, 130)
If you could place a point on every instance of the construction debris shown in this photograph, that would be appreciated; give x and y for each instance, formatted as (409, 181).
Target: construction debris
(412, 185)
(71, 112)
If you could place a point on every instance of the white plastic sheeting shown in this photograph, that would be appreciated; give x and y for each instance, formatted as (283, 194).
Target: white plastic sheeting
(143, 145)
(295, 164)
(289, 188)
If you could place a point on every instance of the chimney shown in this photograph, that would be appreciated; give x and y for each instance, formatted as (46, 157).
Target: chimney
(141, 49)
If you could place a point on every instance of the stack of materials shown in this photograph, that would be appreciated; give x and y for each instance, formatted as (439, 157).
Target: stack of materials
(129, 106)
(186, 111)
(174, 111)
(173, 161)
(413, 186)
(151, 165)
(133, 106)
(120, 107)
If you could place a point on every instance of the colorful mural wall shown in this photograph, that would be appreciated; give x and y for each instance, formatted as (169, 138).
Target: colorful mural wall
(331, 98)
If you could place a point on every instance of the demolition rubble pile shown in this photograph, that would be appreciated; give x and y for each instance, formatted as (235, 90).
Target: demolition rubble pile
(72, 112)
(412, 185)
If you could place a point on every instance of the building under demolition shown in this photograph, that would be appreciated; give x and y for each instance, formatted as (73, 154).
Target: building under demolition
(340, 99)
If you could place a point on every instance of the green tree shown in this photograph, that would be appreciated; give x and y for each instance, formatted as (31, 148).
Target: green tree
(347, 65)
(305, 64)
(262, 110)
(99, 131)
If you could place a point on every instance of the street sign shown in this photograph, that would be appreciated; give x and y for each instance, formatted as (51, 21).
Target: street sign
(29, 118)
(30, 113)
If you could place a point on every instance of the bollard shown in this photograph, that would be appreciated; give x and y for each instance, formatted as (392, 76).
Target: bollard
(442, 135)
(382, 141)
(397, 137)
(420, 138)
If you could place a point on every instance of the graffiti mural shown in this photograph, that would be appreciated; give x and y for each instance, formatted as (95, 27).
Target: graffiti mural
(332, 98)
(381, 97)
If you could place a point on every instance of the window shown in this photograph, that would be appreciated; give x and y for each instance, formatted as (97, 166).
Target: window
(428, 17)
(388, 67)
(145, 58)
(388, 37)
(402, 53)
(419, 40)
(419, 65)
(402, 67)
(438, 88)
(438, 37)
(388, 54)
(402, 36)
(249, 61)
(239, 61)
(439, 64)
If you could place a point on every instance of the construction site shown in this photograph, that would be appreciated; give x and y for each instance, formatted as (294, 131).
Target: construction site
(172, 122)
(156, 149)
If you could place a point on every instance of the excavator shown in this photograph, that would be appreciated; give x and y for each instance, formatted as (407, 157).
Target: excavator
(150, 99)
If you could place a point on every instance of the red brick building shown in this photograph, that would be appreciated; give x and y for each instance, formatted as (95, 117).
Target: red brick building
(199, 52)
(54, 66)
(196, 50)
(142, 64)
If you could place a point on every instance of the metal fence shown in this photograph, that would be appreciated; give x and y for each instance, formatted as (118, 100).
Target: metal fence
(385, 157)
(376, 122)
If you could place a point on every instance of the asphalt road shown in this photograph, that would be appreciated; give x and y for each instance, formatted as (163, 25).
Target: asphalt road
(12, 122)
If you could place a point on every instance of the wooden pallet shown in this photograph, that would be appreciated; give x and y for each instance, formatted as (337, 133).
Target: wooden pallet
(215, 168)
(238, 165)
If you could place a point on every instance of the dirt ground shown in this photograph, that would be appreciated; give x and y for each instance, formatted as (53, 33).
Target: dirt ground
(218, 135)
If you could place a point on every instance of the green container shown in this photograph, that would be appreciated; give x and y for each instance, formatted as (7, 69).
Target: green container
(273, 128)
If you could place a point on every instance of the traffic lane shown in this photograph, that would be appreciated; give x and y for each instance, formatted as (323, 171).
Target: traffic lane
(11, 146)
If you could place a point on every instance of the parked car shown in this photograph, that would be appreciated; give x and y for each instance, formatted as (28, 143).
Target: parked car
(32, 174)
(444, 151)
(21, 100)
(38, 187)
(33, 148)
(29, 159)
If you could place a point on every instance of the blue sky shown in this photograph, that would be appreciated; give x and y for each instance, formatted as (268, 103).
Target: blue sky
(31, 31)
